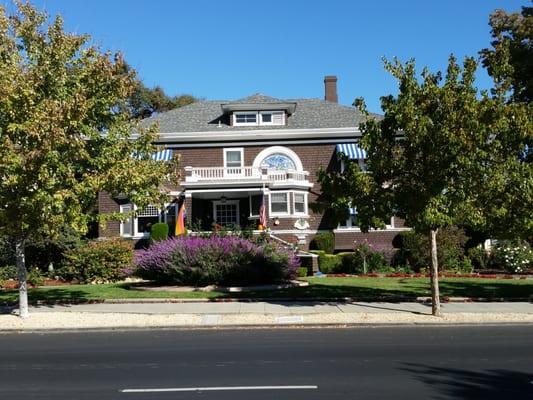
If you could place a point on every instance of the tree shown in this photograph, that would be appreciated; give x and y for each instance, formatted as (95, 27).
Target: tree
(510, 60)
(145, 101)
(439, 155)
(65, 133)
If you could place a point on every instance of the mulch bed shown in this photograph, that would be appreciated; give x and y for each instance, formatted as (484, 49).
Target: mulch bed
(13, 284)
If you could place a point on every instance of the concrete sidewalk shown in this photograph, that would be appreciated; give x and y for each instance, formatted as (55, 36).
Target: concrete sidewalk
(250, 314)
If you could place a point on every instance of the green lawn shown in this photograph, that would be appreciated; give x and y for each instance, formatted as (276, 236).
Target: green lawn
(321, 288)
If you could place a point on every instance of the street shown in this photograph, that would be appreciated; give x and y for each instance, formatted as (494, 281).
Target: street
(444, 362)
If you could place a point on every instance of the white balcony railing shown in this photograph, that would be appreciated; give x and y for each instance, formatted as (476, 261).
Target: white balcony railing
(243, 174)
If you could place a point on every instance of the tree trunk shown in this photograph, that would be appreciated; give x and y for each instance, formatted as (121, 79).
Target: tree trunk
(435, 301)
(23, 289)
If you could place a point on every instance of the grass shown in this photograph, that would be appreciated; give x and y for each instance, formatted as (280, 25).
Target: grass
(320, 288)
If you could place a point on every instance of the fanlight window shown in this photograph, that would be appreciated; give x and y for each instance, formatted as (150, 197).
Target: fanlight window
(279, 162)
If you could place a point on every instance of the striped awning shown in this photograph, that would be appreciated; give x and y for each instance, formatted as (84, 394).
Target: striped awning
(162, 155)
(352, 150)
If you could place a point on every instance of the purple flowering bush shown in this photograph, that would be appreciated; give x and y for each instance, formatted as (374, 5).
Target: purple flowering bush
(216, 260)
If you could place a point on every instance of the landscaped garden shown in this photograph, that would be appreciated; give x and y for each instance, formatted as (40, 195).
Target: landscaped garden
(76, 270)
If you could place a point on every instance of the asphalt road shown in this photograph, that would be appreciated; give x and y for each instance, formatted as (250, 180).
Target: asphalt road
(359, 363)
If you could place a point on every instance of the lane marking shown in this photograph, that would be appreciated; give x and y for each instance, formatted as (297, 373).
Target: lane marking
(219, 388)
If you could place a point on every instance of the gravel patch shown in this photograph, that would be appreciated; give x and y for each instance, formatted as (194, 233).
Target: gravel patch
(86, 320)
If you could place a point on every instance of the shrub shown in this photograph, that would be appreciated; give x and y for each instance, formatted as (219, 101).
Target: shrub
(216, 260)
(98, 261)
(514, 256)
(479, 257)
(415, 249)
(7, 272)
(324, 241)
(330, 263)
(159, 231)
(302, 272)
(354, 263)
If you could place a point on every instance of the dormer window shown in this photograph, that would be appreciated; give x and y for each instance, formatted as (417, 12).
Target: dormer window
(254, 118)
(245, 118)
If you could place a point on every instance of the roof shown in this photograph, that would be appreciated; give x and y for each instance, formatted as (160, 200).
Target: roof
(207, 115)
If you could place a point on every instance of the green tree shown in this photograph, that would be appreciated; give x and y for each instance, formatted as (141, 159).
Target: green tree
(65, 133)
(144, 101)
(510, 60)
(438, 157)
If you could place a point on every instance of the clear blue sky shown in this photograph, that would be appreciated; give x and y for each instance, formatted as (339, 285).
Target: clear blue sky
(231, 49)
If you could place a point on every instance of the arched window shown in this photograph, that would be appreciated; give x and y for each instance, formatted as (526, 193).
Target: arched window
(278, 161)
(278, 157)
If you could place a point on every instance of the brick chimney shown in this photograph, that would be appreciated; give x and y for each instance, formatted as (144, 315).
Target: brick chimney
(330, 88)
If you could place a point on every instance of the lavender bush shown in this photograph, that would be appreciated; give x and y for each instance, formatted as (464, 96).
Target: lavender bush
(216, 260)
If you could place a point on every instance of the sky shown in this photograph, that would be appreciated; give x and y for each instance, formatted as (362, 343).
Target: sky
(234, 48)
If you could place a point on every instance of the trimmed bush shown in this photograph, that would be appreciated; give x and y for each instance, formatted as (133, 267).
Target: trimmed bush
(330, 263)
(98, 261)
(159, 231)
(216, 260)
(324, 242)
(302, 272)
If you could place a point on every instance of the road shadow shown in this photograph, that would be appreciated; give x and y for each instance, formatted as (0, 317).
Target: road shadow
(456, 383)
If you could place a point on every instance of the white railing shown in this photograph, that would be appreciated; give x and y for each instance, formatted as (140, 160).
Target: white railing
(203, 174)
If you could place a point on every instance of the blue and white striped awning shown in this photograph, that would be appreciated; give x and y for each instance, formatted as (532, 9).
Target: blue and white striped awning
(162, 155)
(352, 150)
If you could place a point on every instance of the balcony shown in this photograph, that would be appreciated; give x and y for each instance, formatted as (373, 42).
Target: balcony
(245, 176)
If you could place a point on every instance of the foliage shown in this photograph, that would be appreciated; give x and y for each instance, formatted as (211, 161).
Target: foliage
(324, 241)
(415, 249)
(479, 257)
(98, 261)
(146, 101)
(514, 256)
(510, 60)
(330, 263)
(35, 277)
(301, 272)
(216, 260)
(8, 272)
(365, 258)
(159, 231)
(58, 95)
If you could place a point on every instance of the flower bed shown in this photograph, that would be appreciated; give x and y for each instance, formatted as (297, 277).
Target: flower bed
(216, 260)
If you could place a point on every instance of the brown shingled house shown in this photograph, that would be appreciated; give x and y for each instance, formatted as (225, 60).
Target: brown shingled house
(235, 152)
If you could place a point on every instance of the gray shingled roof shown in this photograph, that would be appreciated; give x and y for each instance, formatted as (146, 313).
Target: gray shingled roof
(206, 115)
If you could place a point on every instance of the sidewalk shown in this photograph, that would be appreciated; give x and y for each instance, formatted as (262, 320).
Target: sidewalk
(258, 314)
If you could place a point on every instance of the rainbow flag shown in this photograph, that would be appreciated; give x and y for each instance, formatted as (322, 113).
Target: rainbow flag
(180, 222)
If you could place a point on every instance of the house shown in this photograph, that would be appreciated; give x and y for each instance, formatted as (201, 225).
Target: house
(238, 155)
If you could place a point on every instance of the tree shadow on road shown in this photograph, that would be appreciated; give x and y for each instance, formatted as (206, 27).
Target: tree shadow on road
(455, 383)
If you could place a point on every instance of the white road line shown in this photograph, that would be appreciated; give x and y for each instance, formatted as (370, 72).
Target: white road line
(219, 388)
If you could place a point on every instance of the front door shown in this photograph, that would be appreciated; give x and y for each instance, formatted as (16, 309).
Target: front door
(226, 213)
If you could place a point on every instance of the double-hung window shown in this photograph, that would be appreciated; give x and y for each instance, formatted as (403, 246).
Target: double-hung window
(300, 202)
(279, 203)
(245, 118)
(233, 161)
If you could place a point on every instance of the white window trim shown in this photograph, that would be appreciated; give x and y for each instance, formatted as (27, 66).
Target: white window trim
(235, 123)
(306, 208)
(278, 150)
(228, 149)
(134, 217)
(360, 161)
(218, 202)
(279, 214)
(261, 122)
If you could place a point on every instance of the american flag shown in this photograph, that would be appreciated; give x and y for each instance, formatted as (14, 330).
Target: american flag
(262, 214)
